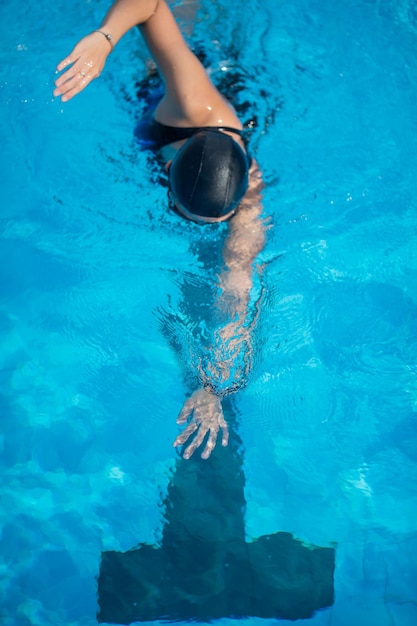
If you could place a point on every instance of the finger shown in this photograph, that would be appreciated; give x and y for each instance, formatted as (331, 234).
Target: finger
(72, 77)
(211, 443)
(66, 76)
(65, 62)
(74, 85)
(77, 85)
(78, 65)
(196, 443)
(185, 411)
(182, 438)
(225, 434)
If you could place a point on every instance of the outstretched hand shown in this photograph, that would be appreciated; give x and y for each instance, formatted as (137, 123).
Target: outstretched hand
(207, 417)
(83, 65)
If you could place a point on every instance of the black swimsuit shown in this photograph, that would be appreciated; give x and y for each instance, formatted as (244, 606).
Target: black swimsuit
(153, 135)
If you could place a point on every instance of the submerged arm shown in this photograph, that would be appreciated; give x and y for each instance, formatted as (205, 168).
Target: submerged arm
(229, 362)
(226, 365)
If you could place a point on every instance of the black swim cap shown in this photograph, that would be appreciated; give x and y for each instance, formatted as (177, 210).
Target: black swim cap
(209, 174)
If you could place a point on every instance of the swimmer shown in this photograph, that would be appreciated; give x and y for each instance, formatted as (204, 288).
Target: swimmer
(211, 179)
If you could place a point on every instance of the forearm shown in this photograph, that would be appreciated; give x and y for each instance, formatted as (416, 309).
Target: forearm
(125, 14)
(225, 365)
(227, 362)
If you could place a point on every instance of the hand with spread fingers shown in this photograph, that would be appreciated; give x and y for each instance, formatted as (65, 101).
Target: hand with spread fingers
(83, 65)
(207, 417)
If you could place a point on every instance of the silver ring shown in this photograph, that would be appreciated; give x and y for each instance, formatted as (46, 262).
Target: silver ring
(82, 74)
(89, 64)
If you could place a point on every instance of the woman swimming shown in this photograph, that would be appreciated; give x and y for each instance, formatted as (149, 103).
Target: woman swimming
(211, 179)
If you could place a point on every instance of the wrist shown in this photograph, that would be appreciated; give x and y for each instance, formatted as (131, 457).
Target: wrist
(119, 20)
(107, 35)
(209, 388)
(220, 392)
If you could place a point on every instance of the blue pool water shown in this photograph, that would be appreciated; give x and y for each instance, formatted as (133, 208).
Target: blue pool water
(93, 265)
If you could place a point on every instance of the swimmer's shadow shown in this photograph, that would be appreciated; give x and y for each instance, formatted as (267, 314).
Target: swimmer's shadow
(204, 568)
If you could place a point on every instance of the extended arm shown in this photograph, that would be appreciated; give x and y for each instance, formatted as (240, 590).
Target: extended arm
(190, 99)
(225, 367)
(228, 363)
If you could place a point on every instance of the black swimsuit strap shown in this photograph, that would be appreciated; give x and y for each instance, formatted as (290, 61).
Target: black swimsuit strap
(164, 134)
(227, 129)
